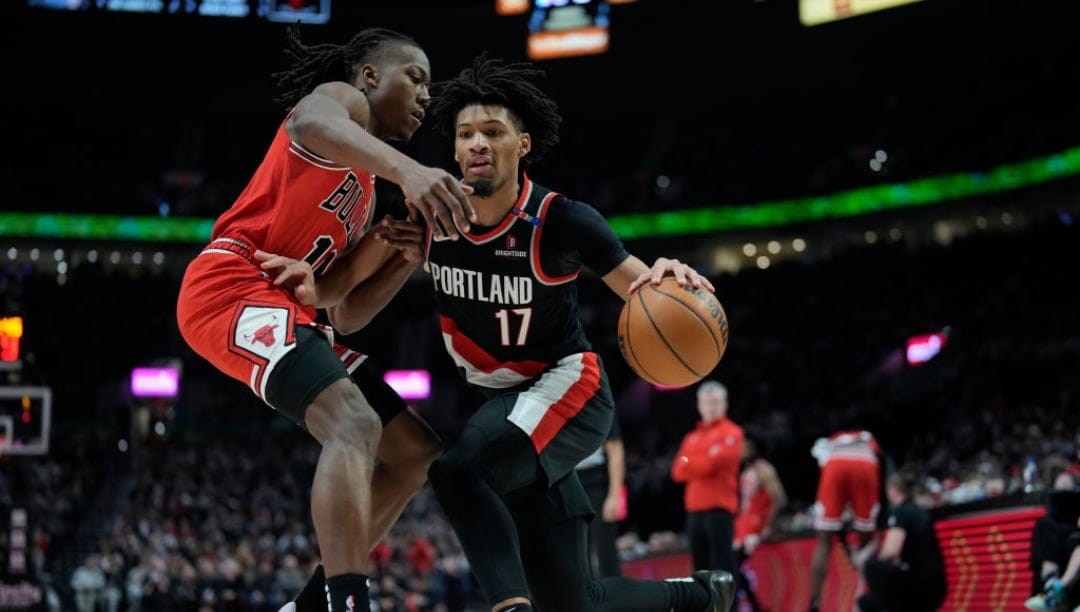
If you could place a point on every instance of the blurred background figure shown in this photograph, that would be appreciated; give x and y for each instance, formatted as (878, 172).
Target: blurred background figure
(907, 570)
(88, 581)
(603, 474)
(707, 463)
(848, 494)
(761, 498)
(1055, 548)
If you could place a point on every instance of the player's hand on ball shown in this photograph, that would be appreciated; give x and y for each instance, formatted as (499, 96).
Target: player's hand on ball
(404, 235)
(292, 274)
(672, 267)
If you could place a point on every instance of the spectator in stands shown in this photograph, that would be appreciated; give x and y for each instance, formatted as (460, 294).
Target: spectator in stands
(907, 573)
(708, 464)
(88, 581)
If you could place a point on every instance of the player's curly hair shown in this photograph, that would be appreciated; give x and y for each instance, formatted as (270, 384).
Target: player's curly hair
(493, 81)
(311, 65)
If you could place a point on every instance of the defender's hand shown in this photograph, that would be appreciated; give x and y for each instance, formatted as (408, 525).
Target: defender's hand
(404, 235)
(292, 274)
(441, 199)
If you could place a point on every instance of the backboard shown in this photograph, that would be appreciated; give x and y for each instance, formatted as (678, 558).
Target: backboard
(25, 420)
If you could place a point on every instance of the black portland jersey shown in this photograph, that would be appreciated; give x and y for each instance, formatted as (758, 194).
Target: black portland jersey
(507, 301)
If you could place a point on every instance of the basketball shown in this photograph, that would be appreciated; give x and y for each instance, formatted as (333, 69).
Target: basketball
(672, 335)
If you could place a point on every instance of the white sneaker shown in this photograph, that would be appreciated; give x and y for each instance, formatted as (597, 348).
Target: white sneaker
(289, 607)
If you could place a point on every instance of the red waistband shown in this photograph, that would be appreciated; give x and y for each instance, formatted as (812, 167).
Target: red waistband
(229, 245)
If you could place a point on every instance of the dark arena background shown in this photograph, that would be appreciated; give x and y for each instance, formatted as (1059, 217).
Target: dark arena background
(885, 198)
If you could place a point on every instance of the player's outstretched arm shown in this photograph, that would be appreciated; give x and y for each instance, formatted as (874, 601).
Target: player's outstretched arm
(402, 240)
(356, 289)
(330, 122)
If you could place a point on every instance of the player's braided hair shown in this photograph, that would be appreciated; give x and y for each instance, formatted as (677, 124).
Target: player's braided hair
(311, 65)
(493, 81)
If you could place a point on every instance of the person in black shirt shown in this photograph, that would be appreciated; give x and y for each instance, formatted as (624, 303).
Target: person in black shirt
(1055, 548)
(908, 572)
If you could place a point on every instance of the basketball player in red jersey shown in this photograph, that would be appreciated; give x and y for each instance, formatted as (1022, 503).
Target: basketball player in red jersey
(850, 484)
(761, 496)
(310, 200)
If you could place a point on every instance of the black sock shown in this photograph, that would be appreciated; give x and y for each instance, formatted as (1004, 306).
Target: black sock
(313, 597)
(348, 593)
(687, 594)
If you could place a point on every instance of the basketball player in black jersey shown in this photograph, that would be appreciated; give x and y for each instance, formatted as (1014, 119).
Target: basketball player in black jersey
(508, 310)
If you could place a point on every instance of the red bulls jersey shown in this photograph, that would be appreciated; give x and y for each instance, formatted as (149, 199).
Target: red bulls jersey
(300, 205)
(754, 498)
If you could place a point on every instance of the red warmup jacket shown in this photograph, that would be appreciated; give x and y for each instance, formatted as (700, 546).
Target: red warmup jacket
(708, 462)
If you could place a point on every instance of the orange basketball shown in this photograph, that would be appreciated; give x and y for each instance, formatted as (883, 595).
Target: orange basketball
(672, 335)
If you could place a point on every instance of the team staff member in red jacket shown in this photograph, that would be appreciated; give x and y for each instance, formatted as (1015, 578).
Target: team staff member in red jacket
(708, 463)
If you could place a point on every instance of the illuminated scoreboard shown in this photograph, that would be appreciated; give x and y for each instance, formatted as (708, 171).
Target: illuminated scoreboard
(563, 28)
(816, 12)
(11, 331)
(285, 11)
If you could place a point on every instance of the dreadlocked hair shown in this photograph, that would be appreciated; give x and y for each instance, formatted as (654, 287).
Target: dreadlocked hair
(311, 65)
(492, 81)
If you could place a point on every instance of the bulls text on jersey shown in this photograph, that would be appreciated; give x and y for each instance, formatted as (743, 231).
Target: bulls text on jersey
(343, 202)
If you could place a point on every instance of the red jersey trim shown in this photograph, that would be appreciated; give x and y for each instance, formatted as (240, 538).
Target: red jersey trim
(569, 405)
(315, 160)
(481, 359)
(501, 228)
(534, 252)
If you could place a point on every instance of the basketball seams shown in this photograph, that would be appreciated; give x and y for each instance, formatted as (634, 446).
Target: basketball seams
(656, 328)
(694, 312)
(630, 346)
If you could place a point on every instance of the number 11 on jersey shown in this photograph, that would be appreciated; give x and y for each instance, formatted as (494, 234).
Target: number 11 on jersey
(504, 325)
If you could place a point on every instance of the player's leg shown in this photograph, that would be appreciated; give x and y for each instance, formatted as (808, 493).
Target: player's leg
(529, 438)
(490, 459)
(864, 485)
(828, 520)
(311, 385)
(742, 554)
(819, 564)
(407, 449)
(554, 548)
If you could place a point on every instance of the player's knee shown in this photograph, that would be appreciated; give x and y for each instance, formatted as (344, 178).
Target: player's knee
(345, 418)
(423, 454)
(413, 469)
(450, 471)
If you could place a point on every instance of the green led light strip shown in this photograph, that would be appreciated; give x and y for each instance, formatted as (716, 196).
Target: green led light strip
(105, 227)
(712, 219)
(849, 203)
